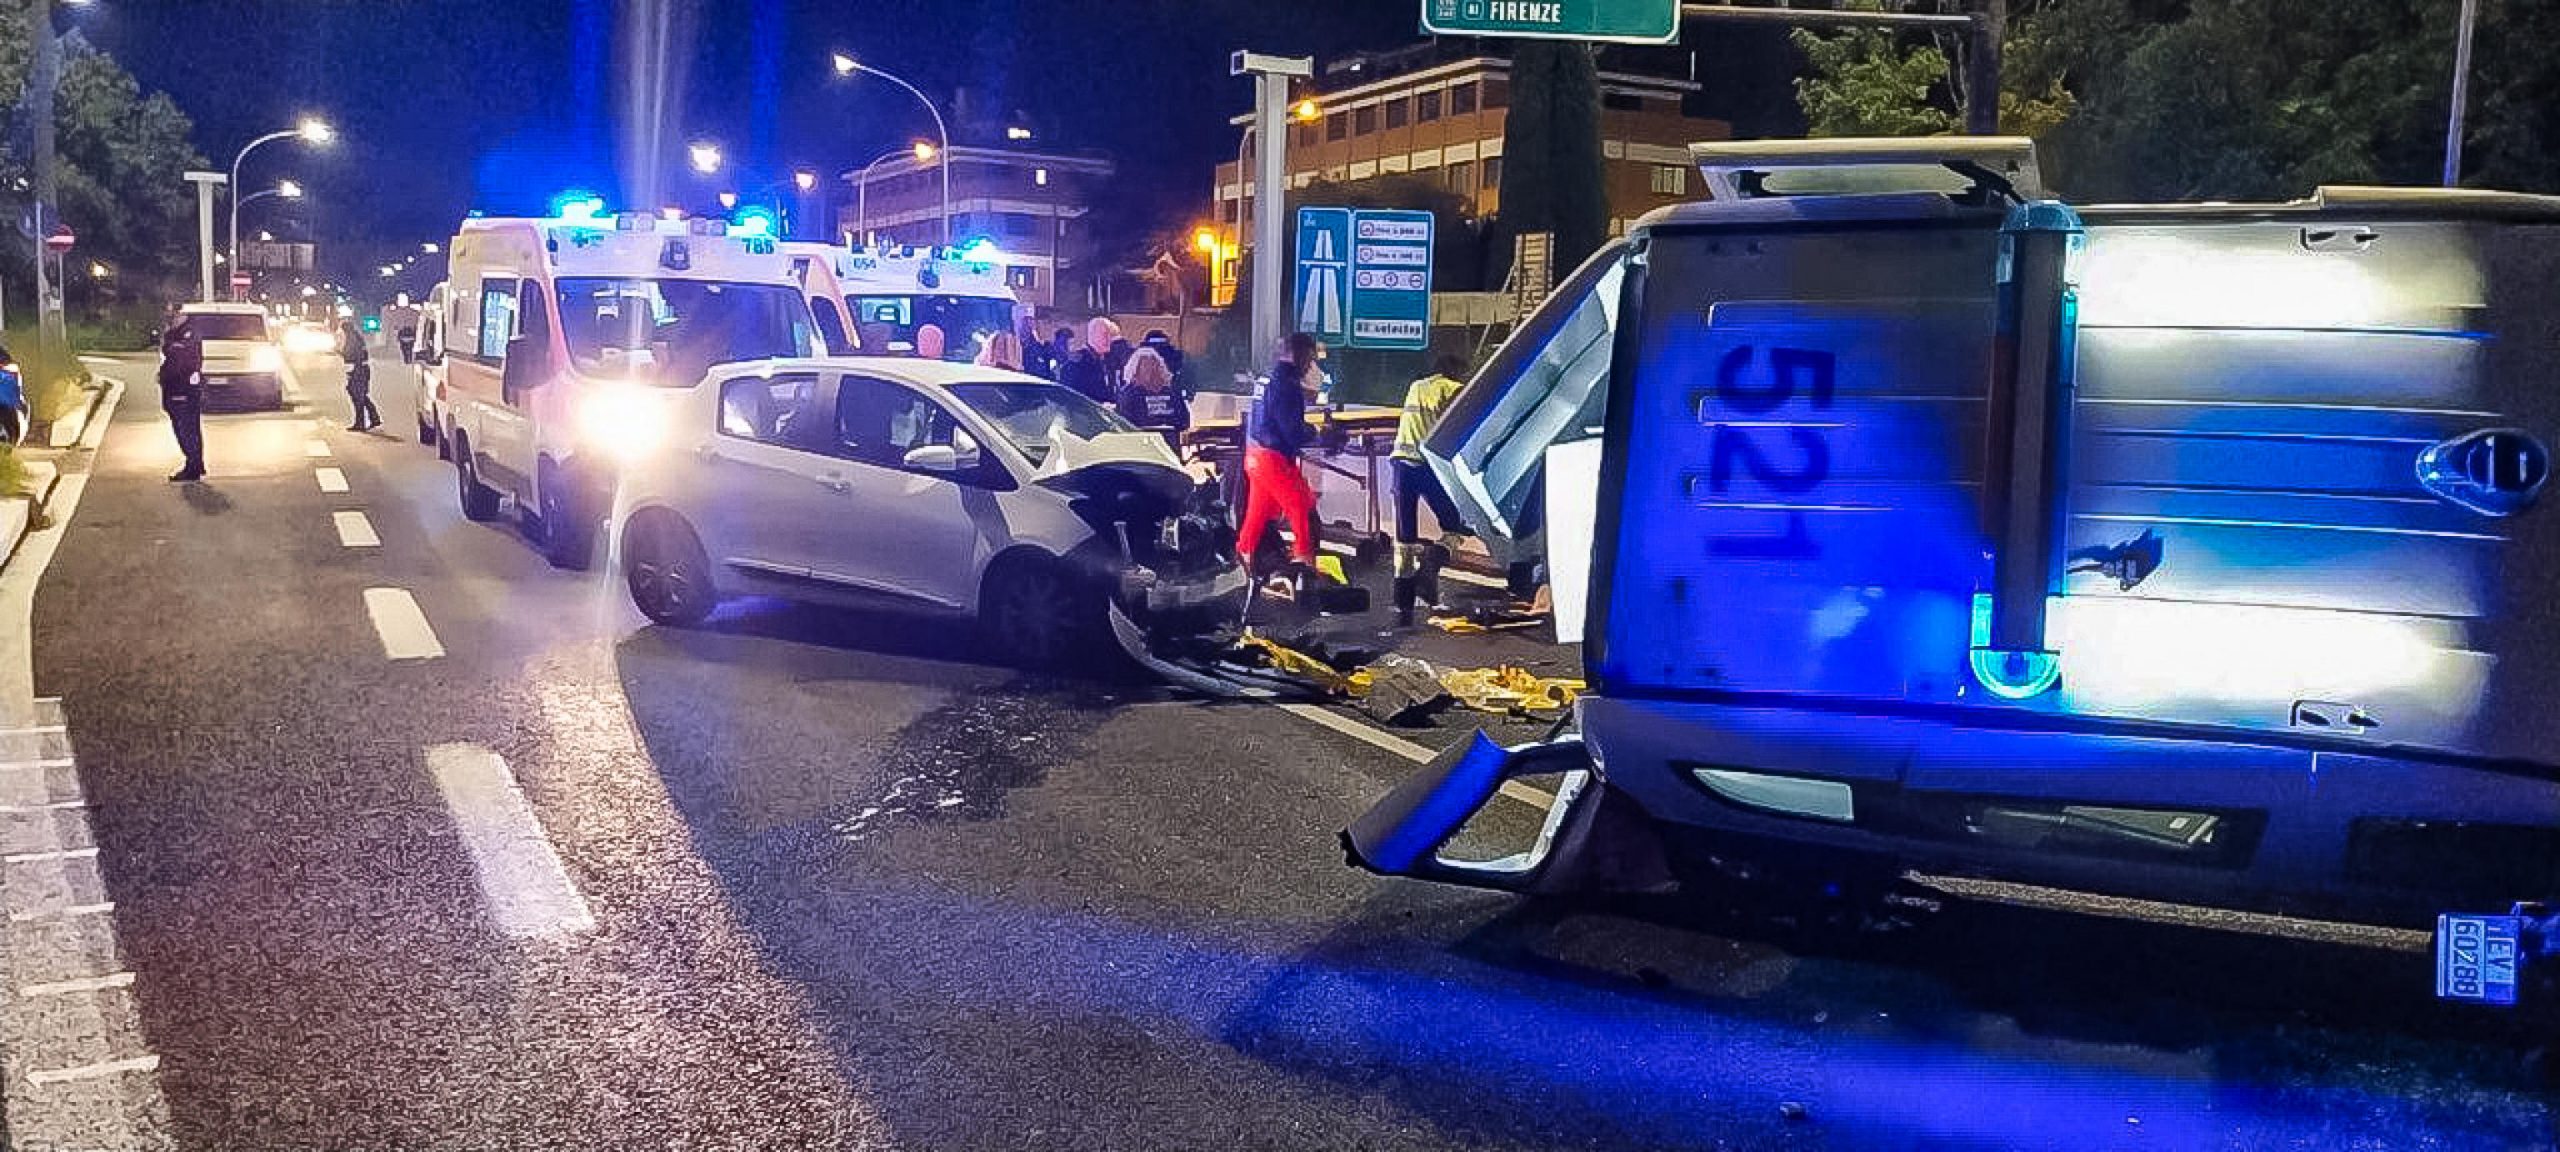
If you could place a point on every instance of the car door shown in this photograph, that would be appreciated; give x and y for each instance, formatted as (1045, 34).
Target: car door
(759, 474)
(896, 529)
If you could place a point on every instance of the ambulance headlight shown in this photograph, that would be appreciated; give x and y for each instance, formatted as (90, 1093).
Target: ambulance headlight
(266, 358)
(625, 424)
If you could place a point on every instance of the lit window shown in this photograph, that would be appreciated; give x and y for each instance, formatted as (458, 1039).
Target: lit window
(1670, 180)
(1040, 176)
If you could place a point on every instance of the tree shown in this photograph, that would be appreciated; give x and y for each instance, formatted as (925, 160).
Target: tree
(1884, 82)
(1553, 179)
(120, 163)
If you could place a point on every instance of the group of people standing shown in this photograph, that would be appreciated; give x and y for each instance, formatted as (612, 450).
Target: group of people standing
(1144, 382)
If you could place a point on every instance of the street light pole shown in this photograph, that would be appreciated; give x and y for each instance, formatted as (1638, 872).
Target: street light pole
(310, 130)
(2461, 93)
(862, 195)
(847, 65)
(45, 75)
(205, 183)
(1271, 76)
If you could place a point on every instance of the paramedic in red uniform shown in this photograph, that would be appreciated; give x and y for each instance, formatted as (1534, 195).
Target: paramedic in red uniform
(1276, 435)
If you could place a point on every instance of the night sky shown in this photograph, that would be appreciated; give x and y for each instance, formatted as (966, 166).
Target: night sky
(447, 105)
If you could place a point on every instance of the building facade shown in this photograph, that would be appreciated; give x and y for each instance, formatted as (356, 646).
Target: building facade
(1032, 204)
(1441, 115)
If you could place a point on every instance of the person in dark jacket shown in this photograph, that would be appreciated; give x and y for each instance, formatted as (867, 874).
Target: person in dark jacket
(1174, 360)
(1089, 371)
(1149, 400)
(1062, 347)
(182, 395)
(1276, 436)
(359, 377)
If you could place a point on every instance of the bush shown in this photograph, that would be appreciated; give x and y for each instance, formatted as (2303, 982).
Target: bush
(13, 472)
(55, 383)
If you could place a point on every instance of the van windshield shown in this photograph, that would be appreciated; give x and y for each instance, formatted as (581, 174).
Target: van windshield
(674, 330)
(887, 325)
(227, 325)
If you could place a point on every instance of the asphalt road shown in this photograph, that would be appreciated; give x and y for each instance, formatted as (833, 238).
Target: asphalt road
(826, 881)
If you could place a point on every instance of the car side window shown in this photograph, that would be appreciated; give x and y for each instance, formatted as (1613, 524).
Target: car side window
(879, 422)
(779, 410)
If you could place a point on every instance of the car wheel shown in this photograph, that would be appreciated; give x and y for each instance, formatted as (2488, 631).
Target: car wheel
(568, 535)
(666, 570)
(1034, 615)
(479, 501)
(426, 431)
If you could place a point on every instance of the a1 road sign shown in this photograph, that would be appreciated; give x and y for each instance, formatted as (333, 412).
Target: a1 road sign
(1624, 21)
(1390, 279)
(1323, 282)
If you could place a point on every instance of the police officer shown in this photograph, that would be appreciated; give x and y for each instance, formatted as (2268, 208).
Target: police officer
(182, 395)
(359, 376)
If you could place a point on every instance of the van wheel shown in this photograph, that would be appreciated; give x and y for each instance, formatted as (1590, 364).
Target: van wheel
(1034, 615)
(479, 501)
(426, 431)
(568, 533)
(666, 570)
(444, 443)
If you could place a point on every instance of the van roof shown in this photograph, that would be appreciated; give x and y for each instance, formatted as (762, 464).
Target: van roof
(222, 308)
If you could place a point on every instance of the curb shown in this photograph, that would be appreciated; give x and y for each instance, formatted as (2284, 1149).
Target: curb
(68, 432)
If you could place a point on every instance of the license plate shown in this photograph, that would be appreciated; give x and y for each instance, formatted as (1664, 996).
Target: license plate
(2476, 958)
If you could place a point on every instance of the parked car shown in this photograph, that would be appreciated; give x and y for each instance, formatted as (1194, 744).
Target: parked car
(242, 359)
(940, 487)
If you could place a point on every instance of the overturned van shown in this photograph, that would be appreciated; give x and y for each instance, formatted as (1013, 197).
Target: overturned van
(2192, 553)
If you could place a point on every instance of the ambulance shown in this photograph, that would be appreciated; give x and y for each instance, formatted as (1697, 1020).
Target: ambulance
(562, 336)
(1942, 533)
(873, 301)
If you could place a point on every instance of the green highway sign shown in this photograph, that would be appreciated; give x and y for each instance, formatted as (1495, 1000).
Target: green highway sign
(1624, 21)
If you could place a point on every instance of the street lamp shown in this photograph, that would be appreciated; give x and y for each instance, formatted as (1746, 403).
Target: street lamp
(429, 248)
(922, 152)
(728, 200)
(847, 66)
(312, 130)
(805, 180)
(705, 156)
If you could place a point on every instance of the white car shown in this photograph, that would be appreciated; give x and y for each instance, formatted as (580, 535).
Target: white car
(942, 487)
(242, 360)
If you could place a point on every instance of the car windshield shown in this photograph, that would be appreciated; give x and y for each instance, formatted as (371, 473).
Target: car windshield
(617, 326)
(227, 326)
(1032, 414)
(887, 325)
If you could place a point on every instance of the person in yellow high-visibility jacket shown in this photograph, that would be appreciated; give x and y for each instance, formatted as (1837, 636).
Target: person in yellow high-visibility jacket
(1424, 402)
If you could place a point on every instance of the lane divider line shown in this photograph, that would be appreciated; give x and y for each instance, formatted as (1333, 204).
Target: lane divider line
(63, 913)
(48, 762)
(56, 806)
(316, 449)
(42, 857)
(1379, 738)
(528, 891)
(79, 984)
(401, 624)
(331, 479)
(95, 1071)
(354, 531)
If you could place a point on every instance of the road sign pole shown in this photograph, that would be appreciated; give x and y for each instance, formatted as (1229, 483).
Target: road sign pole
(1271, 76)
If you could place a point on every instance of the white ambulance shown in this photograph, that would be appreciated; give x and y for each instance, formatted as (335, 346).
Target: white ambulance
(874, 301)
(558, 335)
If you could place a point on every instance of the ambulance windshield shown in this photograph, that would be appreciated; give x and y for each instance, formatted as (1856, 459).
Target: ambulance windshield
(887, 325)
(678, 329)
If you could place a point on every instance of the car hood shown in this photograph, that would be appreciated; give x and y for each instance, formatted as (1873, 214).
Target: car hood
(1082, 465)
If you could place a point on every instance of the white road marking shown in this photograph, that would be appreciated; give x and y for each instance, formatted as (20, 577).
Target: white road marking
(95, 1071)
(41, 857)
(316, 449)
(37, 730)
(1533, 797)
(529, 893)
(68, 910)
(354, 531)
(401, 624)
(56, 806)
(331, 479)
(82, 984)
(49, 762)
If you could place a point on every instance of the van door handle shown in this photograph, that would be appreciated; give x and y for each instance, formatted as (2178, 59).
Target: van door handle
(835, 483)
(2494, 471)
